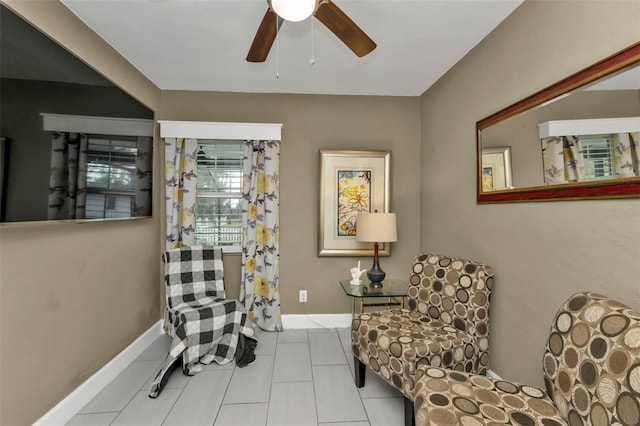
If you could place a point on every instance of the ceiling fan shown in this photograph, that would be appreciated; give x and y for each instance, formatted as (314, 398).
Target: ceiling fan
(324, 10)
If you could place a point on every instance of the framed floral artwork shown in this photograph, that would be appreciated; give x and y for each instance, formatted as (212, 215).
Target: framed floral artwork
(351, 182)
(487, 178)
(496, 169)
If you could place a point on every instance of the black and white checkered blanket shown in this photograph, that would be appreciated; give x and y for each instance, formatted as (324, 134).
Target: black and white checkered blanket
(203, 325)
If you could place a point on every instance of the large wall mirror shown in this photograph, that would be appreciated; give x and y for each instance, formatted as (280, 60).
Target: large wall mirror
(73, 146)
(577, 139)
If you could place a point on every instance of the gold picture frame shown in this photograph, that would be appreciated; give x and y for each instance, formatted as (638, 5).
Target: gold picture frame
(496, 169)
(351, 182)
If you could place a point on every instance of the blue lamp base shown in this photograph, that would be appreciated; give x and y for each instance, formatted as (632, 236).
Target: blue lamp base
(375, 274)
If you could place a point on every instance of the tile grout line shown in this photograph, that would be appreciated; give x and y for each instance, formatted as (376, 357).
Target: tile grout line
(134, 395)
(179, 395)
(226, 389)
(273, 367)
(364, 408)
(313, 383)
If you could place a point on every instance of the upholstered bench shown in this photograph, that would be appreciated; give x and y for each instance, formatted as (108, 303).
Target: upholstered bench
(591, 371)
(446, 325)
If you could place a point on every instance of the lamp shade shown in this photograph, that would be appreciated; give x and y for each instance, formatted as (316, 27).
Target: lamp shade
(376, 227)
(293, 10)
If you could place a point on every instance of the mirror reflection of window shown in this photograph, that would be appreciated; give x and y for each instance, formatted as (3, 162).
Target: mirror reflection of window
(101, 167)
(111, 177)
(590, 149)
(597, 154)
(112, 163)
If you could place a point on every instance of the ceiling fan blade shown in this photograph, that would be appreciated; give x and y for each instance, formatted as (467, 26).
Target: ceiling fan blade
(344, 28)
(264, 38)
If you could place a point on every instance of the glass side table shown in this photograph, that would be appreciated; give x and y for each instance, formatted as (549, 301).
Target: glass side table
(394, 290)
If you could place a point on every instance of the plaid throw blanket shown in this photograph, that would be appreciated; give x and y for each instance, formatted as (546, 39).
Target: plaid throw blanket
(203, 325)
(206, 333)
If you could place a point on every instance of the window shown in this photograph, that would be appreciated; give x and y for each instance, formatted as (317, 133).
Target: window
(219, 198)
(111, 177)
(597, 152)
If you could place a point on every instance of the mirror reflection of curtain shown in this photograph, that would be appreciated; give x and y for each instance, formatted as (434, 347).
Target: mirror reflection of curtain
(564, 157)
(626, 154)
(3, 159)
(144, 176)
(560, 157)
(260, 289)
(180, 191)
(68, 179)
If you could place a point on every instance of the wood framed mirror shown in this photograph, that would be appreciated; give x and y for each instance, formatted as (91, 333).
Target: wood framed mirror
(576, 139)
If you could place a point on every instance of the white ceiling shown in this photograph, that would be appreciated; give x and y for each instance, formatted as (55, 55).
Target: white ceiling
(202, 44)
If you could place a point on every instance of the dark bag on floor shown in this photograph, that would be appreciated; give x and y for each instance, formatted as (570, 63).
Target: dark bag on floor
(245, 351)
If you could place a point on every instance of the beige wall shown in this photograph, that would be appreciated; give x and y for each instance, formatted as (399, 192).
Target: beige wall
(312, 123)
(72, 296)
(541, 252)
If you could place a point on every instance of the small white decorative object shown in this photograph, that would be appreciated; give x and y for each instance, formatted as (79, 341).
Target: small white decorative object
(356, 273)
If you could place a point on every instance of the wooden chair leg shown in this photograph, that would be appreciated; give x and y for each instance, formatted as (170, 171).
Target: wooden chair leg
(409, 415)
(360, 371)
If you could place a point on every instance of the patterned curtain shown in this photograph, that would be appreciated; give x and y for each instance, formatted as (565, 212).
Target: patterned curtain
(562, 160)
(260, 289)
(144, 176)
(180, 185)
(68, 179)
(626, 154)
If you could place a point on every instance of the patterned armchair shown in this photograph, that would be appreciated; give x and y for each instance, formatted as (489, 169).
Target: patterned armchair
(445, 325)
(203, 325)
(591, 371)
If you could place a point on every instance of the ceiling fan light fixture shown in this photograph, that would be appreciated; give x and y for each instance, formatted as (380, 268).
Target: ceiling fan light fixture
(293, 10)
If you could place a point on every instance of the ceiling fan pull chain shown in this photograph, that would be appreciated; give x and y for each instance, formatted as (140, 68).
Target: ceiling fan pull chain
(277, 50)
(313, 56)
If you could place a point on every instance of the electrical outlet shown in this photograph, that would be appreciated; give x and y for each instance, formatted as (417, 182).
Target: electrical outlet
(302, 297)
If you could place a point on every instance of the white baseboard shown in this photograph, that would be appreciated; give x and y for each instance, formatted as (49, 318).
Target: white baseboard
(292, 321)
(492, 374)
(69, 407)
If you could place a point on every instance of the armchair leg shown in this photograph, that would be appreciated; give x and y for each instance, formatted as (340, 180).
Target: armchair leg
(359, 371)
(409, 415)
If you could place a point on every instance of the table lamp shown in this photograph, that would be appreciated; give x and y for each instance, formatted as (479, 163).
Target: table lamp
(376, 228)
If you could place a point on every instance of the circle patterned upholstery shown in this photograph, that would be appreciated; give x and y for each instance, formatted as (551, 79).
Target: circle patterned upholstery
(592, 361)
(592, 374)
(449, 398)
(456, 292)
(446, 323)
(392, 343)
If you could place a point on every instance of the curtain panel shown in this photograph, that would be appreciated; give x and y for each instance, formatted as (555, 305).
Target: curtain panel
(180, 191)
(144, 176)
(260, 290)
(626, 154)
(68, 179)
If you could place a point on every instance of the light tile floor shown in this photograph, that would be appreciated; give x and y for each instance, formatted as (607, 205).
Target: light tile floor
(300, 377)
